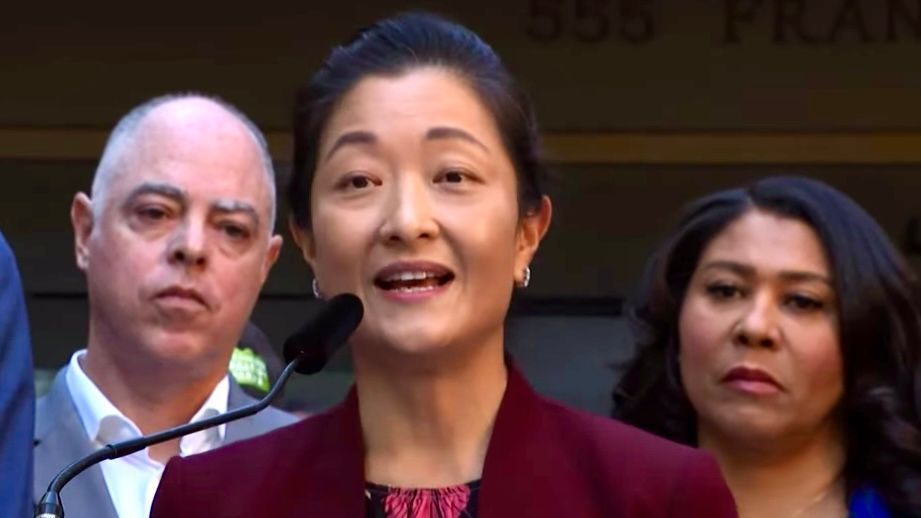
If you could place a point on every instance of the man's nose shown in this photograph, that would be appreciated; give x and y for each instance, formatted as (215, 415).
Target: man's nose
(188, 245)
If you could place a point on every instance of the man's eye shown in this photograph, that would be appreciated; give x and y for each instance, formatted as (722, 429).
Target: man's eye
(152, 213)
(236, 231)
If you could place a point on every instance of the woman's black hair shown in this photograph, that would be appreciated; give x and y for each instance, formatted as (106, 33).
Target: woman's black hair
(879, 325)
(395, 46)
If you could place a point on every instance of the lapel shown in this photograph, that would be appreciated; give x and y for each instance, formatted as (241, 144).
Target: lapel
(518, 475)
(525, 468)
(335, 481)
(59, 440)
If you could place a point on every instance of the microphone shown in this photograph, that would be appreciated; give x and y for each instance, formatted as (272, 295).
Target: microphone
(319, 339)
(306, 352)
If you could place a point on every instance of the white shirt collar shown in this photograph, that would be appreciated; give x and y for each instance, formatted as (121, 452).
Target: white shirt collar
(104, 423)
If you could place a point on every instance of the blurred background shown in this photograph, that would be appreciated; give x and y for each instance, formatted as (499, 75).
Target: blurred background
(644, 105)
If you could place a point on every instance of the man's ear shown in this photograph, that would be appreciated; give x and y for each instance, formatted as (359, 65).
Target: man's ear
(303, 238)
(533, 227)
(81, 217)
(275, 244)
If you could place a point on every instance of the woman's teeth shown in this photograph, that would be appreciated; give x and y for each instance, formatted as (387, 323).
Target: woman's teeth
(414, 281)
(409, 276)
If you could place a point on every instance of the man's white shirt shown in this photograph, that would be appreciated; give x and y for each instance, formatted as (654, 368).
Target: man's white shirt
(132, 481)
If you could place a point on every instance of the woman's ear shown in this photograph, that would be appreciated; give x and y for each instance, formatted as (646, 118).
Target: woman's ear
(533, 227)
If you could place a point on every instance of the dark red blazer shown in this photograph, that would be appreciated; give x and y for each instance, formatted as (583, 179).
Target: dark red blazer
(543, 460)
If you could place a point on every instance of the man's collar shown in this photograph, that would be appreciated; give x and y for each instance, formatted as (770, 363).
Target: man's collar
(104, 423)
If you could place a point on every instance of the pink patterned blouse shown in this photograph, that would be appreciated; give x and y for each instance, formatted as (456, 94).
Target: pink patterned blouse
(443, 502)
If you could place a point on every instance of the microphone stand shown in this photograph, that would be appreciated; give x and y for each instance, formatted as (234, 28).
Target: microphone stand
(51, 506)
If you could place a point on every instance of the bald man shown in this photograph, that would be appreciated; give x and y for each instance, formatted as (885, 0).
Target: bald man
(175, 241)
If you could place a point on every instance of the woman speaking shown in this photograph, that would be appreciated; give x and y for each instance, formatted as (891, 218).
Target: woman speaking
(418, 187)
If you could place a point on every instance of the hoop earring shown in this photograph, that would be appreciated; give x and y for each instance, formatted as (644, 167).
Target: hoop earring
(526, 277)
(316, 289)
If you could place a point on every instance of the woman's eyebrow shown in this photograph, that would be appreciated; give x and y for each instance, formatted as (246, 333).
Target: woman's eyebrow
(738, 268)
(349, 138)
(745, 270)
(449, 132)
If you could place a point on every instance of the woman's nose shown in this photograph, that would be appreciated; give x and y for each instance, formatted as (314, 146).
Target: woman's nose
(409, 214)
(758, 326)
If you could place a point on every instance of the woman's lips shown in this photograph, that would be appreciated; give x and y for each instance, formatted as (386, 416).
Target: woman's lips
(408, 281)
(751, 380)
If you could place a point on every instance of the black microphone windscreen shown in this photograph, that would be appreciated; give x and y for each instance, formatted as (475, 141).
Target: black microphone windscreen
(324, 334)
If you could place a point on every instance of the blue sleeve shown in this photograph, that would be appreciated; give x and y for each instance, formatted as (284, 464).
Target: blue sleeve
(17, 392)
(866, 503)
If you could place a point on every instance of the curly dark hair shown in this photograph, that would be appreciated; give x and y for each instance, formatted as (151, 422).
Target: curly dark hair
(398, 45)
(879, 324)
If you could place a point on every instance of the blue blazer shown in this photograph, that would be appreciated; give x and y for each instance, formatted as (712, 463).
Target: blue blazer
(17, 392)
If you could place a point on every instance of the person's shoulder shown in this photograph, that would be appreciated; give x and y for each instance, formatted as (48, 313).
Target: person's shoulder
(12, 303)
(866, 502)
(659, 477)
(277, 417)
(9, 271)
(253, 469)
(6, 253)
(44, 407)
(615, 441)
(268, 419)
(56, 401)
(265, 449)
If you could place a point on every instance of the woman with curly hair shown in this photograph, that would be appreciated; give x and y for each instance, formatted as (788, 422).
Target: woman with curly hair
(779, 329)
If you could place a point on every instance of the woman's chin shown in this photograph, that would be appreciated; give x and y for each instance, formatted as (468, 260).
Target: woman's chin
(754, 429)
